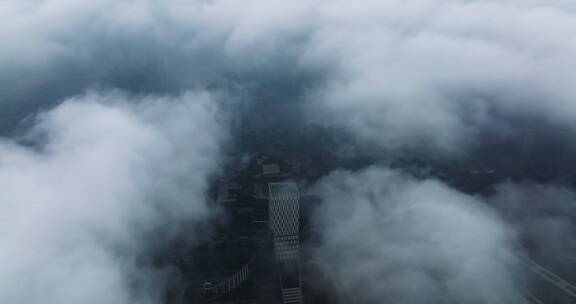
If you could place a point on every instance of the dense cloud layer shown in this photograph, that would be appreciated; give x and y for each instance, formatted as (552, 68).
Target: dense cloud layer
(58, 48)
(397, 75)
(101, 182)
(387, 237)
(437, 75)
(98, 172)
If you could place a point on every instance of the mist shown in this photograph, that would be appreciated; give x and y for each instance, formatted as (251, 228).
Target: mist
(93, 190)
(544, 213)
(117, 117)
(387, 236)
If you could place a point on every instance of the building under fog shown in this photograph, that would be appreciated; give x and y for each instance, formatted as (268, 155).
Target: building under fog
(284, 222)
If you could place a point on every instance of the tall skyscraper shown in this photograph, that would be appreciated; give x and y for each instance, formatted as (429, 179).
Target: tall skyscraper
(284, 222)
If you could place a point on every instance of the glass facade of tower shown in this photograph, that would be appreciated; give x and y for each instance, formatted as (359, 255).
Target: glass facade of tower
(284, 223)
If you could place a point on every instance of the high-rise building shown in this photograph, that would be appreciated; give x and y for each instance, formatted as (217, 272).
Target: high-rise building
(284, 222)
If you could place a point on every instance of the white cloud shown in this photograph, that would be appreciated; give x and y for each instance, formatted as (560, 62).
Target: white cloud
(429, 74)
(421, 75)
(104, 175)
(396, 75)
(389, 237)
